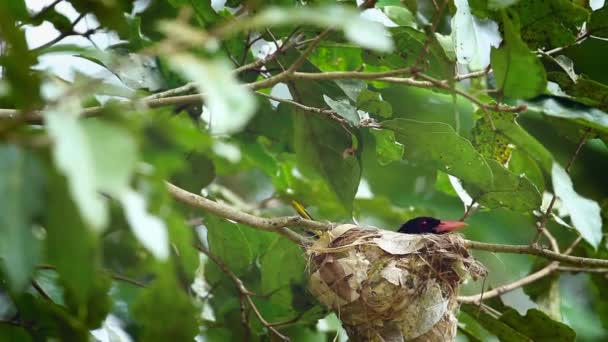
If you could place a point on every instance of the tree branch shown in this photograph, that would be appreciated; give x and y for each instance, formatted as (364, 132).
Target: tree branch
(538, 251)
(276, 224)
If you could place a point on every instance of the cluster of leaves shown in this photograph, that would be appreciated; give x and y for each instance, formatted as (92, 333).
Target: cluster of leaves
(88, 228)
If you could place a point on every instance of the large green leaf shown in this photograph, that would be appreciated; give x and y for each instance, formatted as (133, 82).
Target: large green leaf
(518, 71)
(549, 24)
(71, 247)
(325, 148)
(22, 186)
(503, 331)
(228, 241)
(409, 44)
(387, 149)
(509, 190)
(165, 311)
(584, 116)
(538, 326)
(583, 90)
(440, 144)
(506, 125)
(598, 25)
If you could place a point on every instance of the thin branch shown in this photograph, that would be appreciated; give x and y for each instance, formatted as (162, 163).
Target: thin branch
(474, 74)
(538, 251)
(66, 33)
(276, 224)
(302, 58)
(582, 269)
(326, 112)
(529, 279)
(244, 292)
(475, 299)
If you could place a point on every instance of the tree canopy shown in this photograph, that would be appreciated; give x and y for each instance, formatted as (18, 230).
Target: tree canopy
(152, 200)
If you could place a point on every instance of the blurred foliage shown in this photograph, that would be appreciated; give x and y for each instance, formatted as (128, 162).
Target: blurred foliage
(89, 235)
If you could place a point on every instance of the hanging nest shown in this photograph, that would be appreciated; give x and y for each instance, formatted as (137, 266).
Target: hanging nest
(388, 286)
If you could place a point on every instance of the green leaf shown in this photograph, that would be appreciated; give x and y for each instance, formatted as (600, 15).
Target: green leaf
(518, 71)
(549, 24)
(343, 108)
(70, 245)
(199, 173)
(439, 143)
(228, 241)
(281, 267)
(326, 149)
(409, 44)
(583, 90)
(372, 103)
(538, 326)
(492, 144)
(17, 59)
(387, 149)
(22, 186)
(585, 117)
(165, 312)
(598, 25)
(503, 331)
(231, 105)
(509, 190)
(14, 333)
(94, 309)
(400, 16)
(506, 125)
(584, 213)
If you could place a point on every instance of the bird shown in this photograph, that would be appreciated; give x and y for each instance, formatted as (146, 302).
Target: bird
(429, 225)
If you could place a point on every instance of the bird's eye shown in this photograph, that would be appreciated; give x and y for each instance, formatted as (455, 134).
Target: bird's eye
(423, 222)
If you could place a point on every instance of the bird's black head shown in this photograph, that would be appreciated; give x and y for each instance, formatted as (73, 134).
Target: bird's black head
(424, 225)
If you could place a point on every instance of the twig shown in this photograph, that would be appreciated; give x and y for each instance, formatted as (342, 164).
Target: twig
(326, 112)
(276, 224)
(545, 271)
(475, 299)
(538, 251)
(244, 292)
(66, 33)
(302, 58)
(473, 74)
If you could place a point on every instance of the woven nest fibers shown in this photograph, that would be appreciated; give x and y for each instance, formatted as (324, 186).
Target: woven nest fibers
(388, 286)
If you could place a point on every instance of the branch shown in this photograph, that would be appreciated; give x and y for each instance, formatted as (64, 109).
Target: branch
(476, 299)
(545, 271)
(327, 112)
(275, 224)
(538, 251)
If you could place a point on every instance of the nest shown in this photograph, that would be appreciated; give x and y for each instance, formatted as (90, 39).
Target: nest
(388, 286)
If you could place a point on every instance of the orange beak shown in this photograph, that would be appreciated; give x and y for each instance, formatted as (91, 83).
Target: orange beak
(448, 226)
